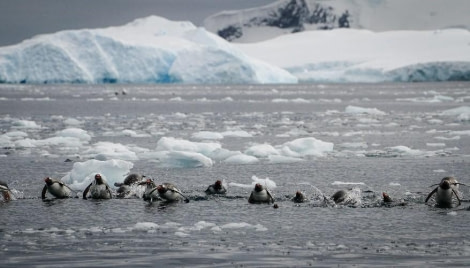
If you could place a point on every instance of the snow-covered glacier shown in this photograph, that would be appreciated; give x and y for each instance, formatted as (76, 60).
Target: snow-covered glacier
(351, 55)
(291, 16)
(147, 50)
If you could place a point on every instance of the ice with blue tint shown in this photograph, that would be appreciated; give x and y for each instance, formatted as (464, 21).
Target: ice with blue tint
(147, 50)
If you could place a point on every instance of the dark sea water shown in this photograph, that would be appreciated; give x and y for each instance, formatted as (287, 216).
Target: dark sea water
(227, 231)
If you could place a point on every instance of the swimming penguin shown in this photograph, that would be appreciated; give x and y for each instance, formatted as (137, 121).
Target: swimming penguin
(444, 191)
(216, 188)
(260, 195)
(56, 188)
(151, 192)
(386, 198)
(340, 196)
(98, 189)
(170, 193)
(299, 197)
(5, 191)
(125, 186)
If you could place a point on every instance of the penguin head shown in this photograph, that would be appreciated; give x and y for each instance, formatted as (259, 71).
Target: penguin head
(48, 181)
(386, 197)
(299, 195)
(98, 179)
(218, 185)
(258, 187)
(161, 189)
(445, 184)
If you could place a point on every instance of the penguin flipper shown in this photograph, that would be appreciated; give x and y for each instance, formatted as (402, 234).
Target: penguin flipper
(44, 190)
(186, 200)
(86, 191)
(271, 198)
(430, 194)
(457, 196)
(109, 191)
(251, 199)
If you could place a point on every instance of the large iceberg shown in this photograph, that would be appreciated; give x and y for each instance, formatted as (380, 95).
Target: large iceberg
(147, 50)
(351, 55)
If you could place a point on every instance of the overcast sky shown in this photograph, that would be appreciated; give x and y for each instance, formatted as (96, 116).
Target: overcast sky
(22, 19)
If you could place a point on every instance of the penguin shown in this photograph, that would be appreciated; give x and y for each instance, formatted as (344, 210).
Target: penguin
(170, 193)
(386, 198)
(340, 196)
(444, 191)
(5, 191)
(125, 186)
(299, 197)
(98, 189)
(151, 192)
(260, 195)
(56, 188)
(216, 188)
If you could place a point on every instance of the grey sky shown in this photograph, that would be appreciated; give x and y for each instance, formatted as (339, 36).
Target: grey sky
(22, 19)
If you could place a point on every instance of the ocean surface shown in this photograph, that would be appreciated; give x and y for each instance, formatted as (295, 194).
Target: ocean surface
(393, 138)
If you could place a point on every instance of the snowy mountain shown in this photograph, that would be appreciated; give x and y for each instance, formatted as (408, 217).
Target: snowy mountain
(148, 50)
(290, 16)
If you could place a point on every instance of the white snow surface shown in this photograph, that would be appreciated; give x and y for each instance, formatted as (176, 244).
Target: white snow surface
(375, 15)
(351, 55)
(147, 50)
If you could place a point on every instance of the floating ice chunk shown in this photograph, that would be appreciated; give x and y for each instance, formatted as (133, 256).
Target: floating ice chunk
(236, 134)
(394, 184)
(6, 141)
(72, 122)
(461, 113)
(240, 225)
(360, 110)
(402, 150)
(133, 134)
(261, 150)
(207, 135)
(347, 183)
(222, 154)
(241, 159)
(277, 159)
(305, 147)
(179, 159)
(145, 226)
(68, 142)
(16, 135)
(25, 124)
(107, 150)
(83, 173)
(265, 182)
(172, 144)
(26, 143)
(74, 133)
(430, 144)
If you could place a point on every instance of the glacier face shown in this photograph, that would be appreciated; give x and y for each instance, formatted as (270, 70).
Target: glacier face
(291, 16)
(147, 50)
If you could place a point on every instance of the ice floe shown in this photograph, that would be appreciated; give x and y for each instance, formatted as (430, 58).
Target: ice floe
(83, 173)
